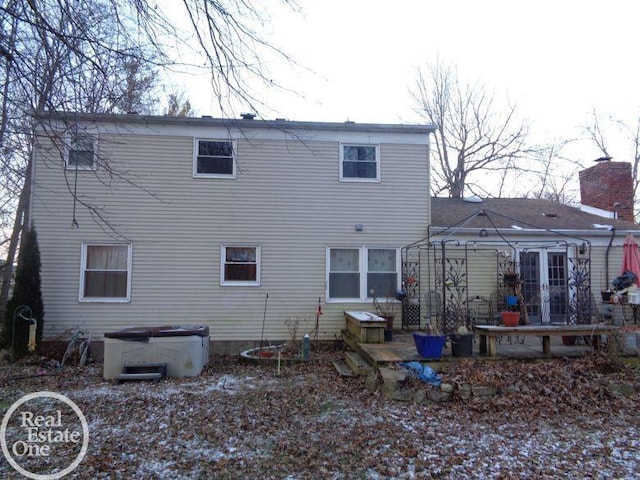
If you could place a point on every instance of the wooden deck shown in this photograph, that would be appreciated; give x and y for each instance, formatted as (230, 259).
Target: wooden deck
(403, 349)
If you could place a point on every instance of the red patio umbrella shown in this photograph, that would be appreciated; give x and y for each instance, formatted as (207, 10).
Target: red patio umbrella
(631, 256)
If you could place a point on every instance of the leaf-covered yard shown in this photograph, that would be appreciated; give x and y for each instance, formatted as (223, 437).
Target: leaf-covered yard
(560, 419)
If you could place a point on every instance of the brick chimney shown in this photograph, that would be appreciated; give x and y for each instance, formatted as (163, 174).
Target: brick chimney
(609, 186)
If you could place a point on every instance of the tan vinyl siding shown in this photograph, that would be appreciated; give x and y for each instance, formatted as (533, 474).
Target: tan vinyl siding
(287, 198)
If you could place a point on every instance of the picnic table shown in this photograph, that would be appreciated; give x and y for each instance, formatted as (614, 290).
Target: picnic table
(489, 334)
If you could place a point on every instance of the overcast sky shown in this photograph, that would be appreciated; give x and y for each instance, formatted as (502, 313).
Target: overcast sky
(557, 59)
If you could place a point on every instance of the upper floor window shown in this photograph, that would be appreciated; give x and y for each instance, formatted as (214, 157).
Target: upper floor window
(240, 265)
(106, 273)
(81, 151)
(359, 162)
(214, 158)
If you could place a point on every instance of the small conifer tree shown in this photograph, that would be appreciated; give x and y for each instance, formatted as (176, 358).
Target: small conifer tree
(26, 291)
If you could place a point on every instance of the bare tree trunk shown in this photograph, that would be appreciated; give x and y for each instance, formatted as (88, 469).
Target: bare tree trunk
(475, 133)
(16, 235)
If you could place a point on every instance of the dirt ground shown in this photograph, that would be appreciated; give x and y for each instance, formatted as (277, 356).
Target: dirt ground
(561, 419)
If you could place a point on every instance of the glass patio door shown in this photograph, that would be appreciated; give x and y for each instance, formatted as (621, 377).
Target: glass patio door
(545, 286)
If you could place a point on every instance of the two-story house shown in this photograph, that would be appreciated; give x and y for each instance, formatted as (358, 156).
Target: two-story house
(237, 224)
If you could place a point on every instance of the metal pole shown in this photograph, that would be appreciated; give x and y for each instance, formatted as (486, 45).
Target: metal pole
(18, 313)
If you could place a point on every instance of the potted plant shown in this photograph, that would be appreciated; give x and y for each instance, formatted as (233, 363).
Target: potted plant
(511, 278)
(429, 343)
(461, 337)
(511, 316)
(462, 342)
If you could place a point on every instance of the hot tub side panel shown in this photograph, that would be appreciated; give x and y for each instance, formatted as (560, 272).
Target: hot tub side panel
(185, 356)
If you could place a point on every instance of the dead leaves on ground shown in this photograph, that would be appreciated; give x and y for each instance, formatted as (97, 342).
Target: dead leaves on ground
(551, 419)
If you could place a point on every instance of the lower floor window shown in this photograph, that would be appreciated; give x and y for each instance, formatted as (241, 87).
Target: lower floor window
(240, 265)
(354, 273)
(106, 272)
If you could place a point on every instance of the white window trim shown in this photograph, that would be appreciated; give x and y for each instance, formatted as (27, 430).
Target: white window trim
(236, 283)
(213, 175)
(362, 270)
(69, 137)
(365, 180)
(83, 262)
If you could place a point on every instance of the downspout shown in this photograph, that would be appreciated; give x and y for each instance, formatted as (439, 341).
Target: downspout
(606, 256)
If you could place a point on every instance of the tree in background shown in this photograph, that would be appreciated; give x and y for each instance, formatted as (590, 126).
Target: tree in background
(178, 106)
(552, 174)
(103, 56)
(474, 133)
(52, 61)
(603, 132)
(26, 291)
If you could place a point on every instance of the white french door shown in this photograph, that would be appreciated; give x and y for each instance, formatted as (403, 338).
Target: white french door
(545, 287)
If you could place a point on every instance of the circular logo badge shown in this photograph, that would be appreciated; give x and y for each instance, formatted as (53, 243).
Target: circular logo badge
(40, 432)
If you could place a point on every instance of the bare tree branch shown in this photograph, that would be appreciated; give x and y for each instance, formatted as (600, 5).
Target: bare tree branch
(473, 132)
(100, 56)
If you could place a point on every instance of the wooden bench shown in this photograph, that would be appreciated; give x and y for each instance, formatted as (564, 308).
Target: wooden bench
(489, 334)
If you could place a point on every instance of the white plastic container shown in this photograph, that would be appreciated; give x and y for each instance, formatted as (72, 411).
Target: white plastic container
(633, 297)
(185, 349)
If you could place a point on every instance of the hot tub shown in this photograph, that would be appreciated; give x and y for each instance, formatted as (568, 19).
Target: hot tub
(183, 348)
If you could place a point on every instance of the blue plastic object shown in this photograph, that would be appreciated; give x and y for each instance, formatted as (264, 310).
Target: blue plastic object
(423, 372)
(511, 300)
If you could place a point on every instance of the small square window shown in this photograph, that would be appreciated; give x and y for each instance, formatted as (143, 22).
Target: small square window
(81, 152)
(240, 265)
(214, 158)
(359, 162)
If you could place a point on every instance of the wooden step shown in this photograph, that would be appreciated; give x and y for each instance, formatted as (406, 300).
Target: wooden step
(144, 371)
(357, 364)
(349, 340)
(343, 369)
(138, 376)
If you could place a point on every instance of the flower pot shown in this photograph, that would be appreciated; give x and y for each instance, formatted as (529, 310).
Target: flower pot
(510, 319)
(461, 345)
(429, 346)
(511, 300)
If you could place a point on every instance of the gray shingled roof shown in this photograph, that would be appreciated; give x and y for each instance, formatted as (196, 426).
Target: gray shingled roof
(526, 213)
(206, 120)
